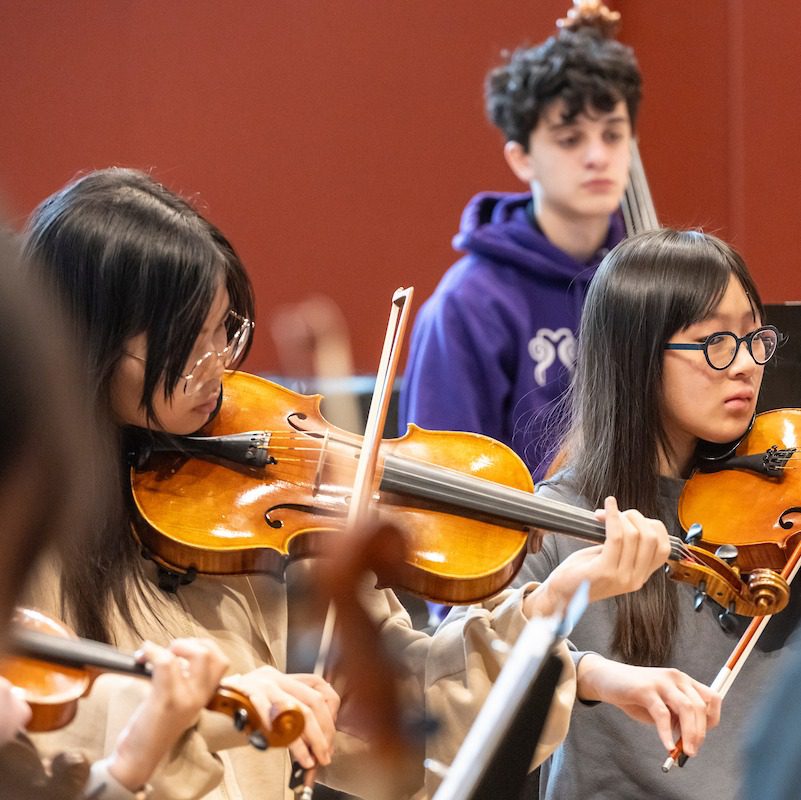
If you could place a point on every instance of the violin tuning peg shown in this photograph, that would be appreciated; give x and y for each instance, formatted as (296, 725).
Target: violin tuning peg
(297, 773)
(258, 740)
(727, 553)
(726, 619)
(240, 719)
(700, 596)
(694, 533)
(421, 727)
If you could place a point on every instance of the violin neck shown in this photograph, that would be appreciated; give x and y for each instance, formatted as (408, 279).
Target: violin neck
(473, 496)
(77, 653)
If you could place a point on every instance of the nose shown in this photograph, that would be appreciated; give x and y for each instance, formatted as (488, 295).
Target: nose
(596, 153)
(218, 367)
(743, 361)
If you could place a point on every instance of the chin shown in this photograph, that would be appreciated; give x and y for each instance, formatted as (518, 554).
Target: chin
(729, 432)
(604, 208)
(187, 426)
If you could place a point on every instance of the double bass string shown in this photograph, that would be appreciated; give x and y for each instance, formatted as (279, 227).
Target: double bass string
(638, 205)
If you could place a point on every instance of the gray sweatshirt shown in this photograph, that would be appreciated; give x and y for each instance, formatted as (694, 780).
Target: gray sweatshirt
(607, 755)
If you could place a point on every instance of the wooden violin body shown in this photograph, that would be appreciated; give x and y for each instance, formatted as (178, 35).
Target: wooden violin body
(52, 694)
(228, 519)
(55, 669)
(753, 499)
(464, 502)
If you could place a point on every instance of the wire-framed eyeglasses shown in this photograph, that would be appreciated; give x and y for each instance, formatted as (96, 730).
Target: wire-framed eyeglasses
(721, 348)
(204, 368)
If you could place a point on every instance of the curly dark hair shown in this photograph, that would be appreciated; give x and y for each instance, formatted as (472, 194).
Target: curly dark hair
(582, 68)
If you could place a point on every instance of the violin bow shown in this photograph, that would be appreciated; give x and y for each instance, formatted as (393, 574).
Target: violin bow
(359, 507)
(639, 213)
(368, 457)
(736, 661)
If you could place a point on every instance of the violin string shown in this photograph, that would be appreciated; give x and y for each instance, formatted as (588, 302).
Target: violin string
(678, 547)
(288, 444)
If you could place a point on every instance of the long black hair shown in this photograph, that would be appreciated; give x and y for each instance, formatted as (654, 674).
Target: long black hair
(645, 290)
(128, 256)
(50, 480)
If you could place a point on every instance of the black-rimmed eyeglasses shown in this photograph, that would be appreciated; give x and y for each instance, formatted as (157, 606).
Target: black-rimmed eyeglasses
(720, 349)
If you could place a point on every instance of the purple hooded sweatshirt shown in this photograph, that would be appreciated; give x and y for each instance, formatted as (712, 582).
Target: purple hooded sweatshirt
(495, 345)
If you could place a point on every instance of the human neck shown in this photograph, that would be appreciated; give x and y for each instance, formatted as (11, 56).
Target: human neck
(678, 462)
(579, 237)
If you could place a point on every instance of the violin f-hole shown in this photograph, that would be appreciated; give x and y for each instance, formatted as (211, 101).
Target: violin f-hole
(787, 524)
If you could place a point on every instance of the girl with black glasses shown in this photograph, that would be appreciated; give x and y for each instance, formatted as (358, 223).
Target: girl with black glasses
(672, 351)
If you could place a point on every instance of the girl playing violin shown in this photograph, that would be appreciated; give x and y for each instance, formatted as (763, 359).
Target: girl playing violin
(672, 351)
(47, 451)
(164, 306)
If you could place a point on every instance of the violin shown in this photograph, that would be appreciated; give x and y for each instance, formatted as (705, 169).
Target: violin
(749, 499)
(228, 502)
(750, 494)
(55, 669)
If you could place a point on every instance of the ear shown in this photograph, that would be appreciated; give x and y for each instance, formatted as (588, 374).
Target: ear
(519, 161)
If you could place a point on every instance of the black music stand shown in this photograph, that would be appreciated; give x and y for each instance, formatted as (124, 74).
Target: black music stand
(495, 757)
(781, 385)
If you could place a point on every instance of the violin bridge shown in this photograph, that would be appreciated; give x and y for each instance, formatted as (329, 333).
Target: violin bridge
(318, 475)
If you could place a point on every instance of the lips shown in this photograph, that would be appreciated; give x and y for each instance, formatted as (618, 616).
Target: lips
(742, 400)
(208, 405)
(598, 184)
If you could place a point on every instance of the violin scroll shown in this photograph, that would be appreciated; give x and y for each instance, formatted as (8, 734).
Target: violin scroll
(761, 592)
(286, 725)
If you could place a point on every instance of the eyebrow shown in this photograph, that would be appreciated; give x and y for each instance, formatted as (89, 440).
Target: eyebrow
(715, 320)
(555, 126)
(207, 328)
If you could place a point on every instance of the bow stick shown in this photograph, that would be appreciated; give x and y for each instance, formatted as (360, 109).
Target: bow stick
(359, 507)
(727, 675)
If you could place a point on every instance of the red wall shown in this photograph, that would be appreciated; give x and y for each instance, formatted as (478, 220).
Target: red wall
(336, 142)
(720, 132)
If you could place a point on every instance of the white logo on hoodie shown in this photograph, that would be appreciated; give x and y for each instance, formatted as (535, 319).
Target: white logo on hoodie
(547, 345)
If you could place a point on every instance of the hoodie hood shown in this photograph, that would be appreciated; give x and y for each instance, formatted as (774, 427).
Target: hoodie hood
(497, 227)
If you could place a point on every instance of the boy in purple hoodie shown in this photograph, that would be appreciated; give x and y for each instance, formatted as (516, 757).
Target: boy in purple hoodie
(493, 348)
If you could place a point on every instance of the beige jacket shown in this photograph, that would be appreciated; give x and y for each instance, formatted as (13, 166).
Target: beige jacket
(452, 674)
